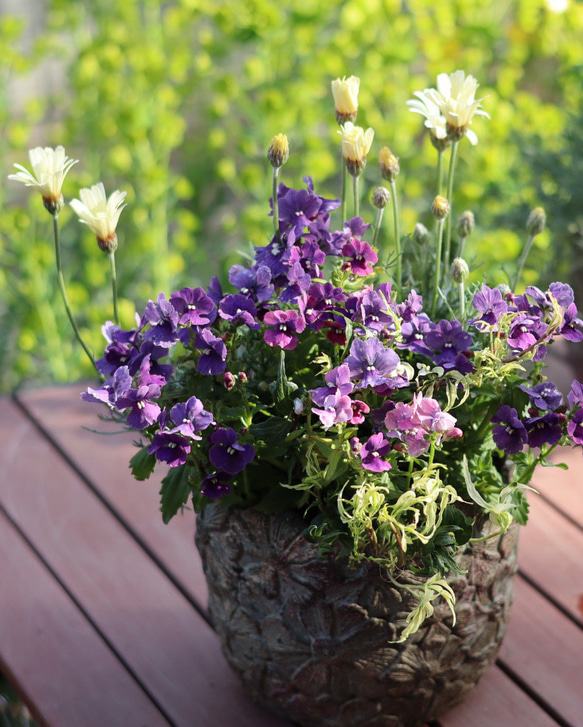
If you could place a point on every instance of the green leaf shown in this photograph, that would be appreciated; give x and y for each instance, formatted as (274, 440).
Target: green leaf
(142, 464)
(175, 491)
(271, 431)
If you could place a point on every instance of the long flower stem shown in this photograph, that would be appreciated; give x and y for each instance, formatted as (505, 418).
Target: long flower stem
(521, 261)
(462, 299)
(377, 225)
(450, 177)
(439, 170)
(343, 195)
(356, 199)
(114, 286)
(398, 270)
(436, 276)
(275, 180)
(63, 289)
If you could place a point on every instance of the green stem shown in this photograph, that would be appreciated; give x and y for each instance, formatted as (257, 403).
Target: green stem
(63, 289)
(521, 261)
(114, 286)
(275, 179)
(437, 273)
(462, 294)
(398, 270)
(377, 225)
(450, 176)
(460, 247)
(344, 200)
(356, 200)
(439, 170)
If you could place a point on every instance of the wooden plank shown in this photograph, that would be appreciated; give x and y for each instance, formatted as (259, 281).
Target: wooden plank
(551, 555)
(104, 461)
(564, 488)
(54, 657)
(545, 649)
(497, 700)
(156, 631)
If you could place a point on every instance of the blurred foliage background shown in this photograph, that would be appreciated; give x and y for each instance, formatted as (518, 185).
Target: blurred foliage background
(176, 103)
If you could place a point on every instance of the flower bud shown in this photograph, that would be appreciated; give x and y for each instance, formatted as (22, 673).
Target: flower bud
(345, 93)
(536, 221)
(278, 152)
(356, 143)
(420, 234)
(381, 197)
(459, 270)
(440, 207)
(465, 224)
(54, 205)
(298, 407)
(228, 380)
(389, 164)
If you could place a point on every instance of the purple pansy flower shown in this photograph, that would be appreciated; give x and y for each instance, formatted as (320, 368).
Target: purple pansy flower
(215, 486)
(336, 409)
(163, 319)
(190, 417)
(337, 380)
(298, 281)
(194, 307)
(525, 331)
(109, 392)
(448, 341)
(372, 452)
(238, 308)
(575, 427)
(490, 303)
(572, 326)
(575, 395)
(285, 324)
(545, 396)
(509, 433)
(297, 208)
(361, 257)
(143, 412)
(370, 363)
(253, 282)
(227, 454)
(214, 353)
(544, 430)
(170, 447)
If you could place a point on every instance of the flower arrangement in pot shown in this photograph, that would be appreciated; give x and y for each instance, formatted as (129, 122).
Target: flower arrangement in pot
(354, 425)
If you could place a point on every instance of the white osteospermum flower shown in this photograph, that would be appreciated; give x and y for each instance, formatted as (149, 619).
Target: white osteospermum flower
(455, 97)
(345, 93)
(434, 119)
(356, 143)
(100, 214)
(49, 168)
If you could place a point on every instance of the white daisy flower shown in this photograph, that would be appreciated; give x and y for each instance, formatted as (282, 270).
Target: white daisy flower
(100, 214)
(455, 97)
(356, 143)
(345, 93)
(49, 168)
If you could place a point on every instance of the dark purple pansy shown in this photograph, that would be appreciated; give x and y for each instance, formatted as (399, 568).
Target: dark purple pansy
(321, 300)
(194, 307)
(544, 430)
(213, 353)
(215, 486)
(375, 312)
(525, 331)
(449, 341)
(372, 452)
(370, 363)
(190, 417)
(121, 348)
(170, 447)
(284, 325)
(163, 319)
(253, 282)
(562, 293)
(575, 427)
(572, 326)
(297, 208)
(297, 283)
(143, 411)
(509, 433)
(575, 395)
(227, 454)
(114, 388)
(545, 396)
(238, 308)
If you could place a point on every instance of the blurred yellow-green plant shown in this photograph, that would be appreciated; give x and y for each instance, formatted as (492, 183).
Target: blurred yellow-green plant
(176, 102)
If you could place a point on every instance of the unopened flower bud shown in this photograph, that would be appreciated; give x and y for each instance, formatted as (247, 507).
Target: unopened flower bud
(459, 270)
(228, 380)
(440, 207)
(345, 93)
(298, 407)
(389, 164)
(243, 377)
(536, 221)
(381, 197)
(278, 152)
(420, 234)
(465, 224)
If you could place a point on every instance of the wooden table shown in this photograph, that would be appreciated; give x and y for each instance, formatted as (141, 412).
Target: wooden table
(102, 607)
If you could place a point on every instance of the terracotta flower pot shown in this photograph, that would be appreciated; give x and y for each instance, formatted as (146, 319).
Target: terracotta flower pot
(311, 639)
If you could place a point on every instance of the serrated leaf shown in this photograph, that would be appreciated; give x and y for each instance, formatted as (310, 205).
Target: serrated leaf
(142, 464)
(175, 491)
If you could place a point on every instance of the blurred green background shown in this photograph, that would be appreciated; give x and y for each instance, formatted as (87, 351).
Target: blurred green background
(176, 103)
